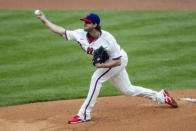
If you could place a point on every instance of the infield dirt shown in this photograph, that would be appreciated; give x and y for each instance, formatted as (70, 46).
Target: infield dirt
(125, 113)
(117, 113)
(99, 4)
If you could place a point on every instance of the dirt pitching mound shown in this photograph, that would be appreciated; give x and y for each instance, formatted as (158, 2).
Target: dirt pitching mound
(109, 114)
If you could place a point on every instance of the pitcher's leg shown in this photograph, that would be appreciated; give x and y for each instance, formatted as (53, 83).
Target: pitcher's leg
(123, 84)
(100, 76)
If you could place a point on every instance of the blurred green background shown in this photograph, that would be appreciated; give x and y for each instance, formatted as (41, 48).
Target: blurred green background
(38, 65)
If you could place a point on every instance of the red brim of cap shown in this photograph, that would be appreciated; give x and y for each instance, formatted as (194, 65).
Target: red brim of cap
(87, 20)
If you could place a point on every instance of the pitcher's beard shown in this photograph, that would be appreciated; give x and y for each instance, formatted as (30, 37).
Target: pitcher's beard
(88, 30)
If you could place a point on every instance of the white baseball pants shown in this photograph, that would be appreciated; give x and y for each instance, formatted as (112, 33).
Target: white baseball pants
(120, 79)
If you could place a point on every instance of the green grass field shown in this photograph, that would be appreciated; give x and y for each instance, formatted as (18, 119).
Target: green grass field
(38, 65)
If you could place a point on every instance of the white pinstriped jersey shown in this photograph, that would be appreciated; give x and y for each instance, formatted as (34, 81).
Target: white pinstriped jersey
(105, 39)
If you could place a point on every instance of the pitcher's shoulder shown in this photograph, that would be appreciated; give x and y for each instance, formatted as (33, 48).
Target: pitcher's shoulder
(107, 35)
(80, 31)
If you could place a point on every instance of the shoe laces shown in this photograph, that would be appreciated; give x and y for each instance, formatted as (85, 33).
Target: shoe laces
(167, 97)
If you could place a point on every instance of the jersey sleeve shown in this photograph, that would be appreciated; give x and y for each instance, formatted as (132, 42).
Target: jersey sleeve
(114, 49)
(72, 35)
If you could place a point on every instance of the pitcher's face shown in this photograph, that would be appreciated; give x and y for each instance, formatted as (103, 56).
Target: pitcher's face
(89, 26)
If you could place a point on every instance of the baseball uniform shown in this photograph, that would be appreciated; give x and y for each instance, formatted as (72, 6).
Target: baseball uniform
(117, 75)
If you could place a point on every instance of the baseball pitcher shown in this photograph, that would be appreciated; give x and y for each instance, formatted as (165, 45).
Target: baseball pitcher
(109, 59)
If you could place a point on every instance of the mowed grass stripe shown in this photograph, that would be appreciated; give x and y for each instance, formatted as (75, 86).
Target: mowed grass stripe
(36, 65)
(157, 52)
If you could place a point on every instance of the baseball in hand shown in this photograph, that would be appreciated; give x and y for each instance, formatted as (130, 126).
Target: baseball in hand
(37, 12)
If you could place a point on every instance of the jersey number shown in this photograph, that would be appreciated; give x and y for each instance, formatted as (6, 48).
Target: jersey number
(89, 51)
